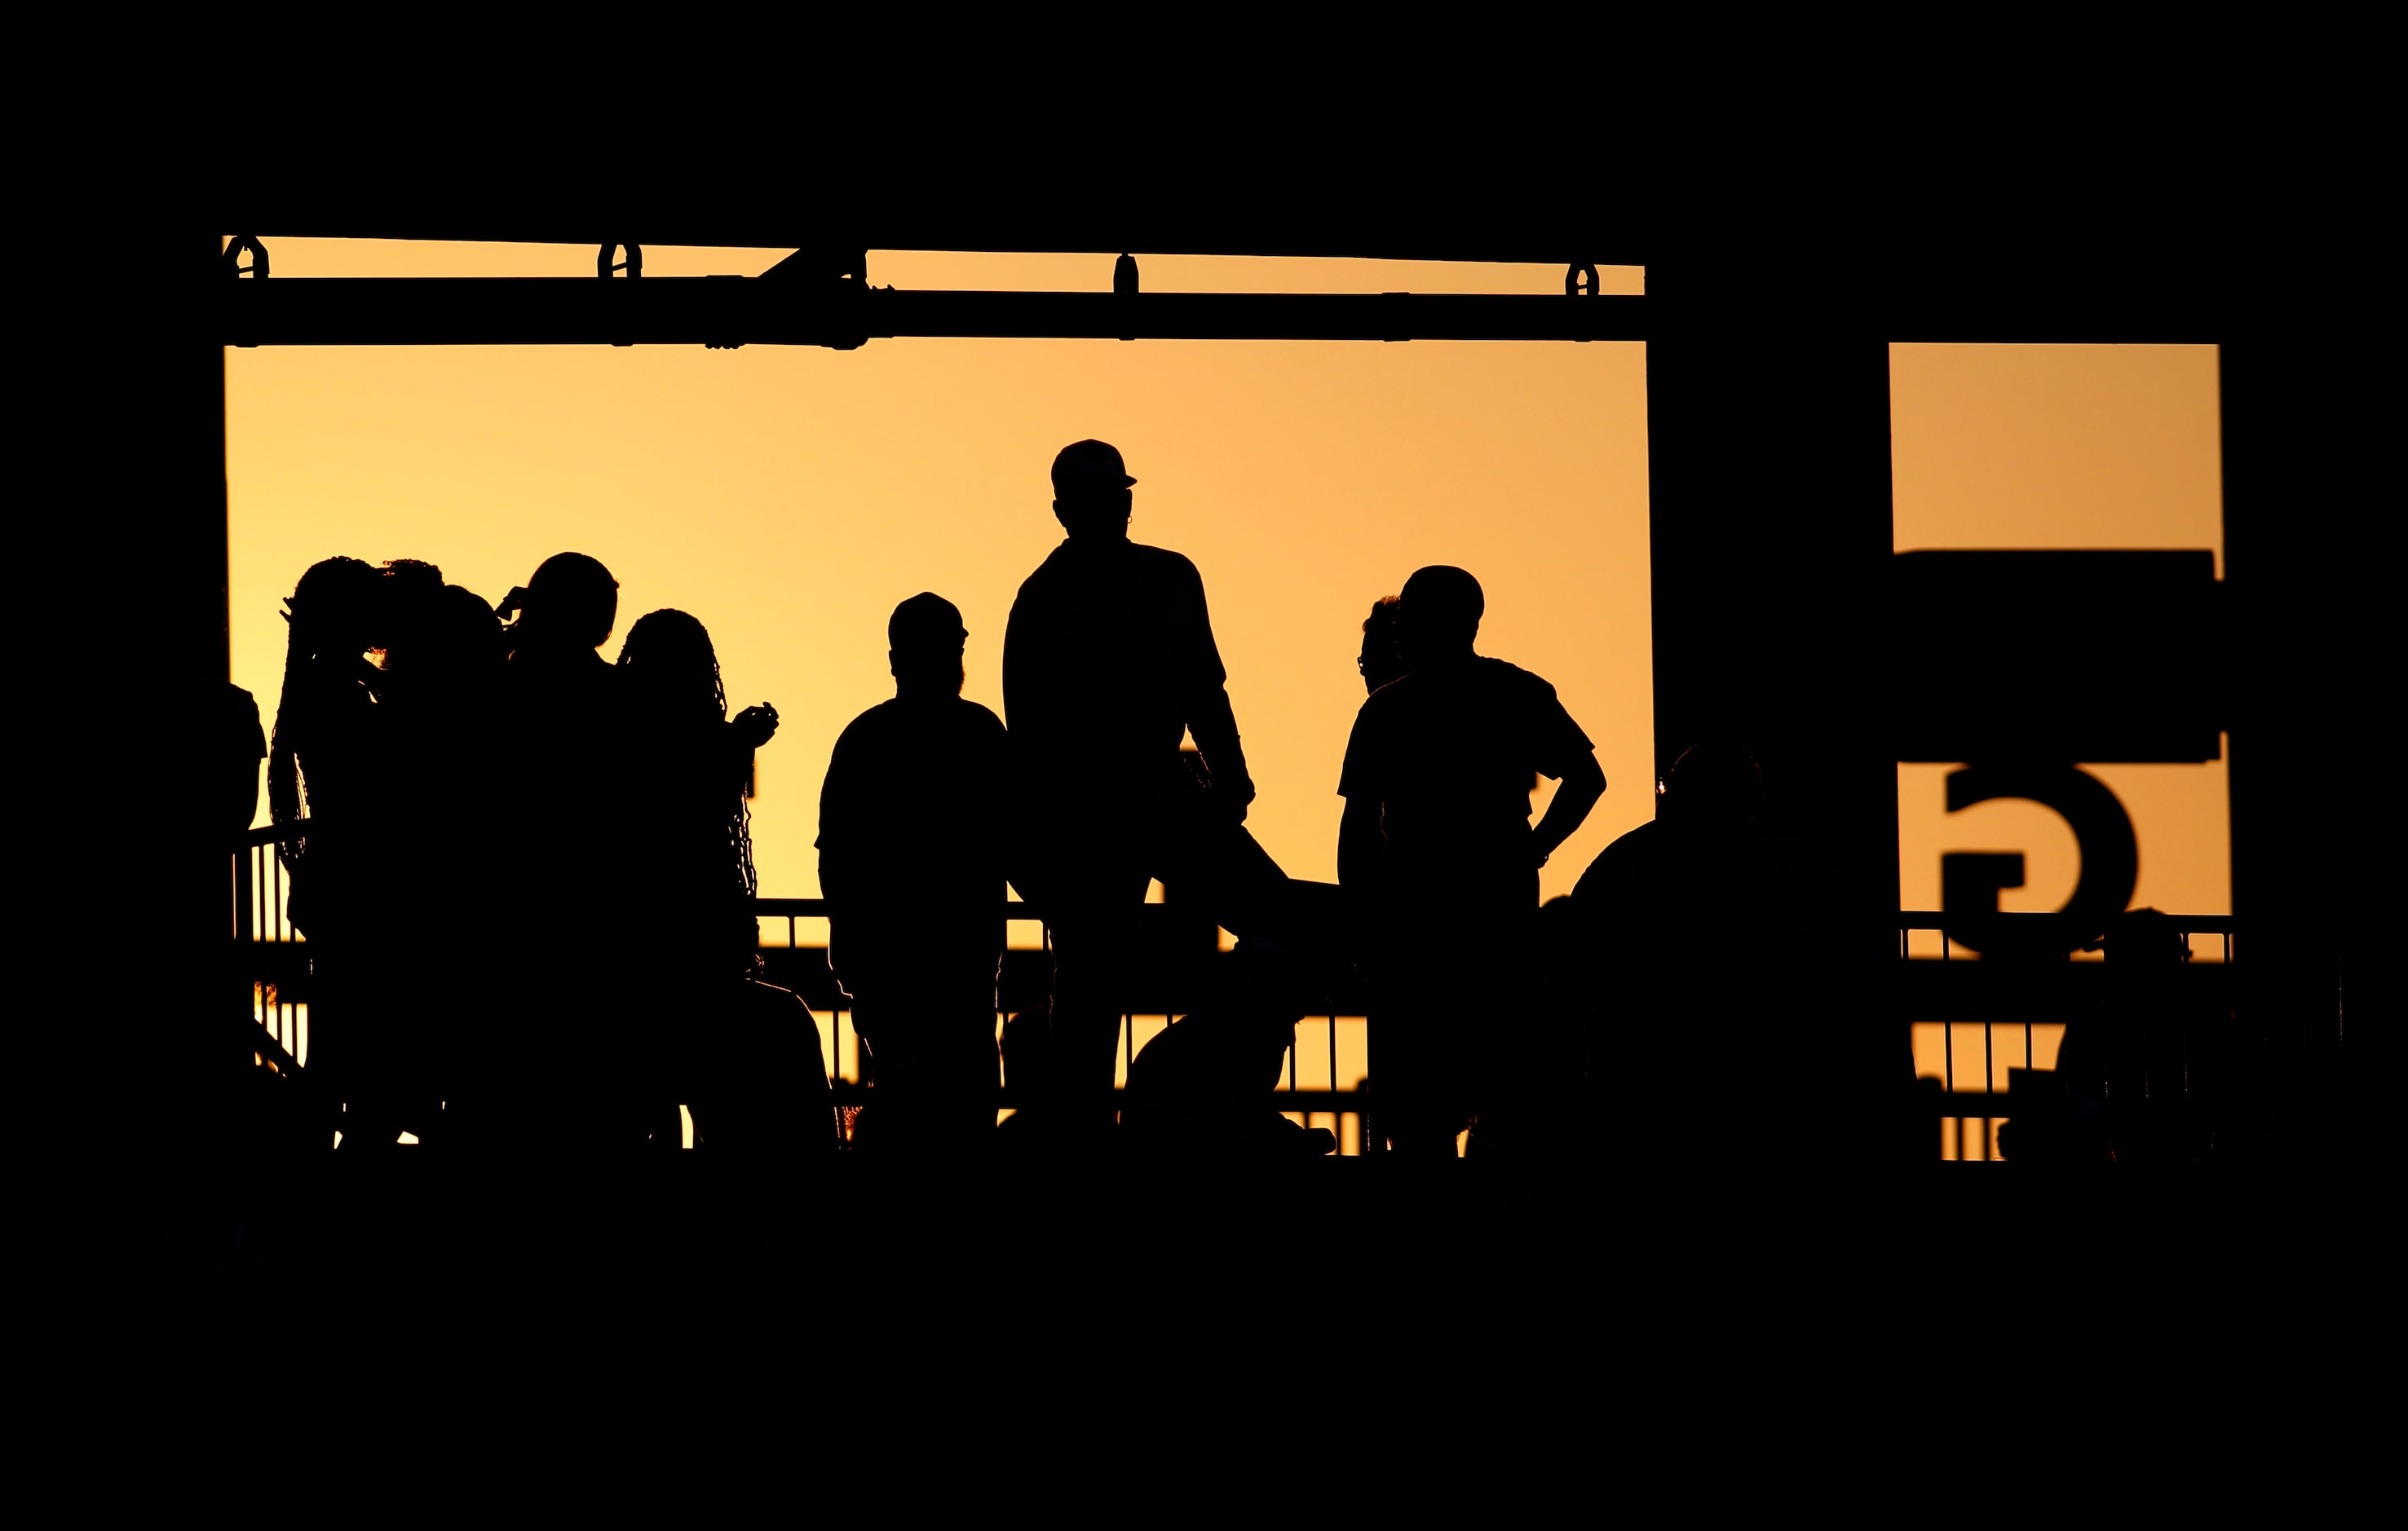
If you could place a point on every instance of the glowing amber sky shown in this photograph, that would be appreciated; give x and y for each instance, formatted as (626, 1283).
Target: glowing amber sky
(789, 497)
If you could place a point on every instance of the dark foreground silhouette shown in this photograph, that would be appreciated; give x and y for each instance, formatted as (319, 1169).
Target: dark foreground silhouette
(1693, 1173)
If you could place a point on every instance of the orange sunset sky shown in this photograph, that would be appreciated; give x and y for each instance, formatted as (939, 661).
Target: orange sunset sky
(789, 496)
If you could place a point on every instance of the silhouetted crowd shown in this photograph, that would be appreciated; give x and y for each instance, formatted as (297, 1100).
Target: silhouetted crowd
(604, 974)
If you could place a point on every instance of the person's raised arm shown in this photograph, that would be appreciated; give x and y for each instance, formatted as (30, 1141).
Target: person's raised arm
(744, 735)
(1583, 785)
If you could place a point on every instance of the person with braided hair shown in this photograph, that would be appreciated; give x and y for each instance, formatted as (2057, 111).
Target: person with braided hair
(694, 884)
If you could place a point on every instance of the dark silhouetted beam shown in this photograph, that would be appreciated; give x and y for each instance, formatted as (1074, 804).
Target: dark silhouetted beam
(771, 310)
(743, 311)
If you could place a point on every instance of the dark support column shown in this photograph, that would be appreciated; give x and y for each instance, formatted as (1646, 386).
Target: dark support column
(1769, 492)
(2309, 825)
(1769, 518)
(158, 611)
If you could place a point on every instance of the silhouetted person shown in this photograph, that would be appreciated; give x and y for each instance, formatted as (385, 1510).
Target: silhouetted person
(1204, 1091)
(1436, 840)
(321, 761)
(1381, 659)
(441, 694)
(691, 849)
(1109, 659)
(387, 1045)
(326, 789)
(911, 843)
(194, 818)
(221, 727)
(563, 1058)
(1714, 934)
(1740, 1075)
(2125, 1072)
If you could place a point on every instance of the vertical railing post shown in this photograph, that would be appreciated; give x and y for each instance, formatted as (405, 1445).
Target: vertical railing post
(1333, 1061)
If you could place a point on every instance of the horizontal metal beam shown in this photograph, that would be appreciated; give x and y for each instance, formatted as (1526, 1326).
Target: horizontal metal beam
(722, 311)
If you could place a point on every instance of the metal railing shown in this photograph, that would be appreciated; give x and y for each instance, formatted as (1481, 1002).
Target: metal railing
(260, 891)
(274, 958)
(1022, 984)
(1971, 1115)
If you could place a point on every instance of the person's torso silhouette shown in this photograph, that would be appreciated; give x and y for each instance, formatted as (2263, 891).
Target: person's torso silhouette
(1110, 659)
(1448, 752)
(912, 822)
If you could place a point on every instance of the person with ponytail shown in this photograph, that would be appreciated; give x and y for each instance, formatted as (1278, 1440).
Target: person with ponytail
(323, 791)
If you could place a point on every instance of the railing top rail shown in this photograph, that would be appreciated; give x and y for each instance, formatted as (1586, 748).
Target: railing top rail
(2197, 924)
(802, 908)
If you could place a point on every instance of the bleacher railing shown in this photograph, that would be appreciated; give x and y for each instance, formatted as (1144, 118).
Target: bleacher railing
(1951, 1023)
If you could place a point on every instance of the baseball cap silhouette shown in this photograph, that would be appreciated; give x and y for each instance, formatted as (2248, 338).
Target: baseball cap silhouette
(926, 620)
(1090, 464)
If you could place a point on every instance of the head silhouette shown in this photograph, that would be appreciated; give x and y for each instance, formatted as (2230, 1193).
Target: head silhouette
(407, 594)
(570, 602)
(462, 637)
(1091, 492)
(1714, 788)
(1438, 615)
(334, 609)
(924, 647)
(1379, 663)
(670, 653)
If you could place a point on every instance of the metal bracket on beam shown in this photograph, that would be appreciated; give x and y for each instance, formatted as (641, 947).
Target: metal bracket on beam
(1125, 283)
(824, 263)
(244, 243)
(1580, 280)
(633, 265)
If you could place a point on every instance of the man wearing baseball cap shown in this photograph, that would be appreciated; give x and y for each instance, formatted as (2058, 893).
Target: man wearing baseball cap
(1109, 660)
